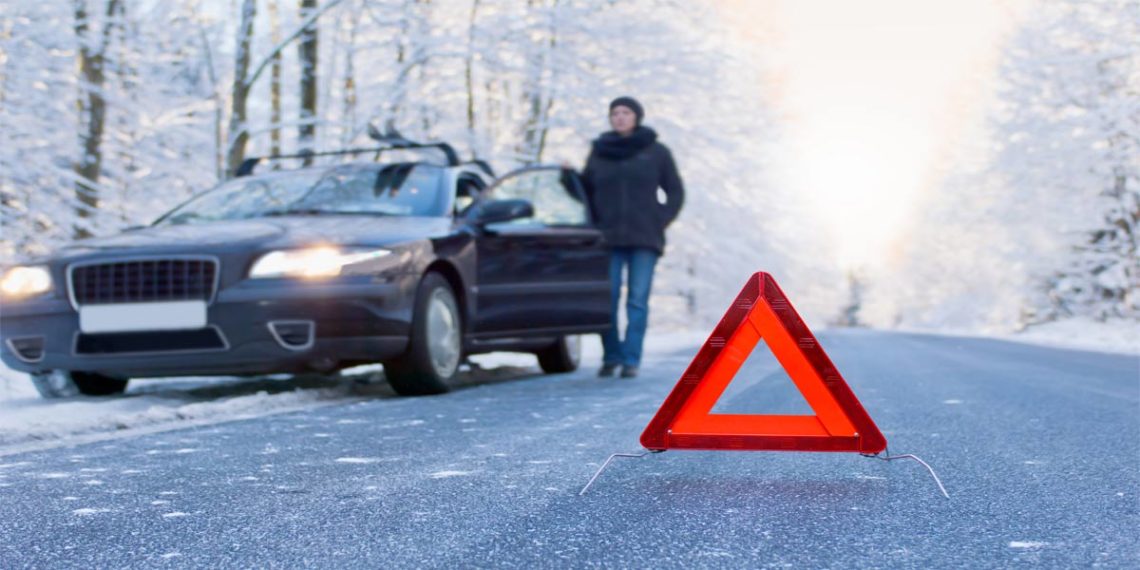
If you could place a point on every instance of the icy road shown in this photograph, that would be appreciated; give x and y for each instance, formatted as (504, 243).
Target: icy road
(1038, 447)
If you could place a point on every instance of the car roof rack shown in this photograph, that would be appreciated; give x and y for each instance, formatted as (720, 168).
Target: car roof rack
(394, 140)
(390, 141)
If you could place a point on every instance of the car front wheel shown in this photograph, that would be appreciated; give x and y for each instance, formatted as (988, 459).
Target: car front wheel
(436, 343)
(65, 384)
(562, 356)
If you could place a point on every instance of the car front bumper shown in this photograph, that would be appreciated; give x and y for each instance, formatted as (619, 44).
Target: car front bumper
(352, 320)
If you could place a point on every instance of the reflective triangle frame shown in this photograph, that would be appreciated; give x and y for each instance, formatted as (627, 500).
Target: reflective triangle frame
(762, 311)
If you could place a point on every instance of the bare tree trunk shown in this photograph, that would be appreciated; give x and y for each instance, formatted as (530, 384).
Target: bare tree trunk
(544, 119)
(535, 94)
(408, 57)
(219, 112)
(239, 130)
(92, 112)
(402, 42)
(308, 57)
(399, 88)
(275, 81)
(532, 90)
(350, 97)
(544, 129)
(128, 76)
(468, 73)
(422, 31)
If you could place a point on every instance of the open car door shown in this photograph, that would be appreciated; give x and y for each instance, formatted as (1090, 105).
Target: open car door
(543, 273)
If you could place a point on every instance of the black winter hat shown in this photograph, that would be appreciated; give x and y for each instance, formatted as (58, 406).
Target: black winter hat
(633, 105)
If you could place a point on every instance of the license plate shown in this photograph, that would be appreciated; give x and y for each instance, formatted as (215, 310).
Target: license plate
(125, 317)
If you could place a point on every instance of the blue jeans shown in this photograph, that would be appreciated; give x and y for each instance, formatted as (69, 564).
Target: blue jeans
(641, 262)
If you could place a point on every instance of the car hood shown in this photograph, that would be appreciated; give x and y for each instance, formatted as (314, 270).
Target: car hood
(267, 233)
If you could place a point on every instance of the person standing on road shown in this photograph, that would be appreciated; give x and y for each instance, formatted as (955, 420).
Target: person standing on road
(623, 173)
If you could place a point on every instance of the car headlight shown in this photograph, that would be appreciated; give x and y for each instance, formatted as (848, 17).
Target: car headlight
(313, 263)
(25, 280)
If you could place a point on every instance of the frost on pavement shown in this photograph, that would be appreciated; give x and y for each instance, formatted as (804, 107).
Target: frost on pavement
(27, 419)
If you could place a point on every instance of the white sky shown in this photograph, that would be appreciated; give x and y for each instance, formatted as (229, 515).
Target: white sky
(873, 93)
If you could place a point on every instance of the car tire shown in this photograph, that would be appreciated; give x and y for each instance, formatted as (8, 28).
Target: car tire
(435, 347)
(561, 357)
(66, 384)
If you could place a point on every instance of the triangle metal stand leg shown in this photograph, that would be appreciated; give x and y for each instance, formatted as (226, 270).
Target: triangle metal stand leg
(607, 464)
(889, 457)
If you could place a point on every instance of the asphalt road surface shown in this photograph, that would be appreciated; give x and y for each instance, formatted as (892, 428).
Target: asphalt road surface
(1038, 448)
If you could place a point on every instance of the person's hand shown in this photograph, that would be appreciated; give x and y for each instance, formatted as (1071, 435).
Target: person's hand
(566, 165)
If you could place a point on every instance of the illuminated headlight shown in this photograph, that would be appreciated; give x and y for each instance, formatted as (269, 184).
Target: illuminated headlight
(25, 281)
(315, 263)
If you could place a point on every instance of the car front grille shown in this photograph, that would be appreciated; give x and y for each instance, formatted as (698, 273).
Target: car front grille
(144, 281)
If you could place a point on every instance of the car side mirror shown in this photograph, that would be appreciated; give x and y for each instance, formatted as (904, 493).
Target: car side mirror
(498, 211)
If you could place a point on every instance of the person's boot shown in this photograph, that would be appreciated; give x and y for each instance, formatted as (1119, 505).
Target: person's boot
(628, 371)
(607, 370)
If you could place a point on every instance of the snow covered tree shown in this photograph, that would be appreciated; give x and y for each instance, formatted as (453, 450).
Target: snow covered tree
(138, 109)
(1035, 217)
(1071, 126)
(185, 101)
(38, 83)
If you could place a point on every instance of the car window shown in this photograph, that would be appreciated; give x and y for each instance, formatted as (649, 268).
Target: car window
(395, 189)
(244, 197)
(401, 189)
(468, 187)
(552, 201)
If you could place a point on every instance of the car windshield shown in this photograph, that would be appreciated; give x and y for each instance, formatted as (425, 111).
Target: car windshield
(401, 189)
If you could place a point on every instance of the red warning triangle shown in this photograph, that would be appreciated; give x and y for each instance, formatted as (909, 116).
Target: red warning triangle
(761, 311)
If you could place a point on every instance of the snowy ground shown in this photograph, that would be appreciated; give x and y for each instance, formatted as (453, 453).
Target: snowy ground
(1035, 446)
(28, 422)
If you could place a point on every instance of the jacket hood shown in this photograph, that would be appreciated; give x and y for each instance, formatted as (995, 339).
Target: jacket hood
(613, 146)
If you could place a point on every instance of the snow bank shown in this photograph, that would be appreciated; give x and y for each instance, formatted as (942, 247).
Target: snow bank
(1115, 336)
(15, 385)
(26, 419)
(1118, 335)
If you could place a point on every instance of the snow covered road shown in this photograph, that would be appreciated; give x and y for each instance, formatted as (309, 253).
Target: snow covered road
(1037, 447)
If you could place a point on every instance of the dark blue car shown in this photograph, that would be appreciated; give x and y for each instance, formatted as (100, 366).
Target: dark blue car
(413, 264)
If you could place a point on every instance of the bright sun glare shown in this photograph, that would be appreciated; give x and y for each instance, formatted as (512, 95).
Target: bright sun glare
(861, 186)
(873, 92)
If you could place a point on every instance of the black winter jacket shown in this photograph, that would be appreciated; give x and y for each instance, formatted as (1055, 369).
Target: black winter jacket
(622, 176)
